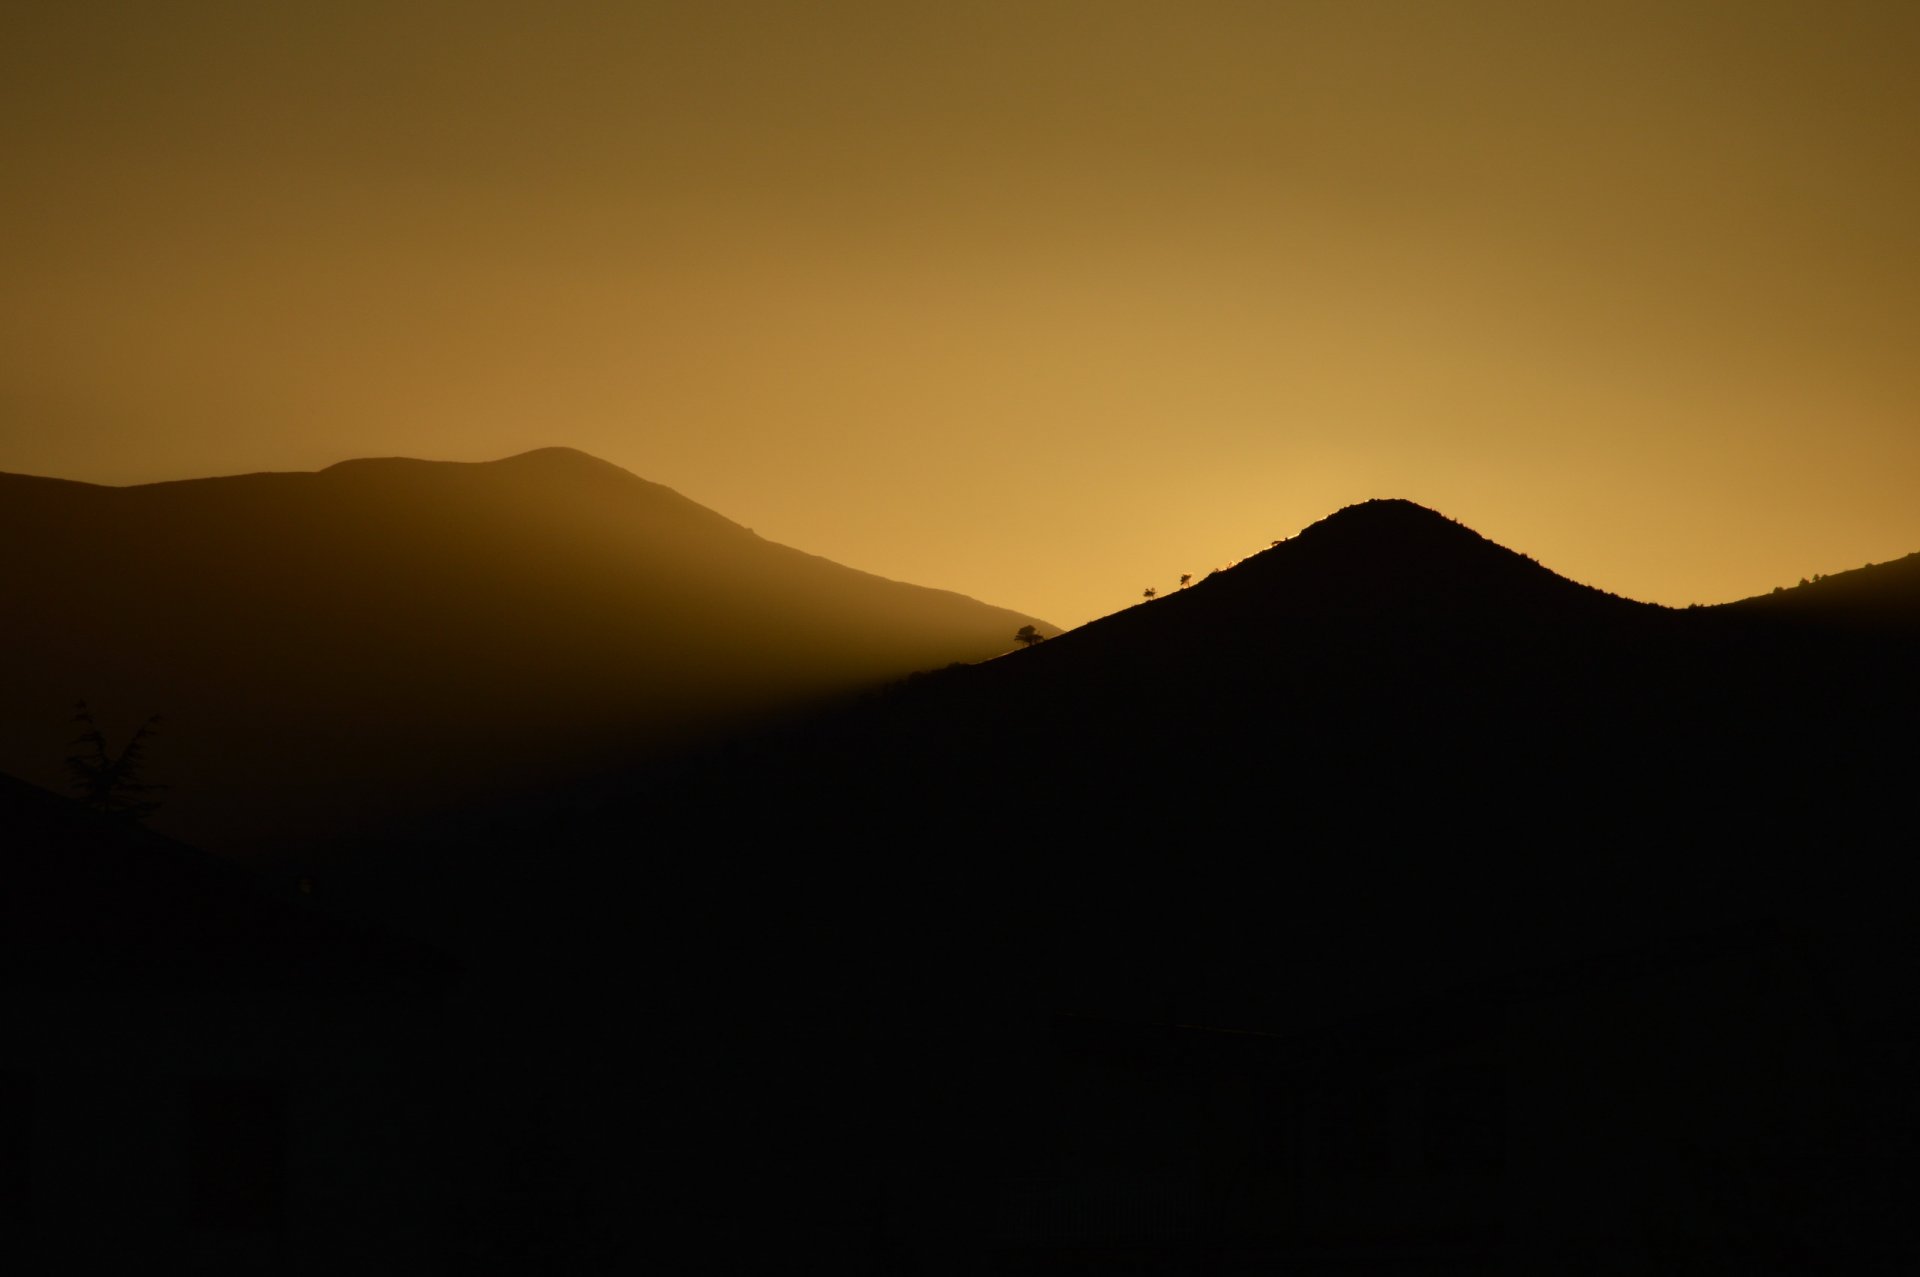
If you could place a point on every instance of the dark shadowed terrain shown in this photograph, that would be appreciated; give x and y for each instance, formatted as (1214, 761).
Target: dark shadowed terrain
(1385, 903)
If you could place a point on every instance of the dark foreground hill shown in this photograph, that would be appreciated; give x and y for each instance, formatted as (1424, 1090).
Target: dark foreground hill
(1384, 903)
(1880, 599)
(97, 904)
(331, 650)
(200, 1071)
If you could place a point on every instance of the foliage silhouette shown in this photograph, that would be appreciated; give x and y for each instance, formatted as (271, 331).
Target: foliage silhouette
(1149, 593)
(107, 782)
(1027, 635)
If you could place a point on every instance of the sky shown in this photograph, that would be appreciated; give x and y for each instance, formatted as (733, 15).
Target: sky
(1041, 302)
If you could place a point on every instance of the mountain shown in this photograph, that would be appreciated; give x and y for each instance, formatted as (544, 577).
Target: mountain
(1385, 900)
(1385, 676)
(1386, 706)
(1385, 657)
(334, 650)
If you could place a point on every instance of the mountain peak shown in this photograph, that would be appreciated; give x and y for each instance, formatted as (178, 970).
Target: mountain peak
(557, 458)
(554, 460)
(1391, 535)
(1391, 517)
(1376, 507)
(1389, 555)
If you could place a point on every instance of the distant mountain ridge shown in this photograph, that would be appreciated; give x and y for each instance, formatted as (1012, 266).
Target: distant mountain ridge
(330, 648)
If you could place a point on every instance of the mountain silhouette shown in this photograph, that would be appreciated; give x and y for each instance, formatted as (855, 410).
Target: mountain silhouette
(1388, 585)
(335, 649)
(1391, 834)
(1383, 902)
(1881, 598)
(1387, 674)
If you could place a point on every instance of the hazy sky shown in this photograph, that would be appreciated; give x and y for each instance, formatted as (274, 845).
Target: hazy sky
(1043, 302)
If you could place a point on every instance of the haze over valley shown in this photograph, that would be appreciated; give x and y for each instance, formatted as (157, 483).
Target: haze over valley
(333, 650)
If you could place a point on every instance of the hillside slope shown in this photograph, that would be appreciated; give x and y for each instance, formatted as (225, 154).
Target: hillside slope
(1879, 598)
(1383, 903)
(333, 649)
(1277, 918)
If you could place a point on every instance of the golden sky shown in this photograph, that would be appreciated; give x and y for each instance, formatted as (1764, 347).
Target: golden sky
(1043, 302)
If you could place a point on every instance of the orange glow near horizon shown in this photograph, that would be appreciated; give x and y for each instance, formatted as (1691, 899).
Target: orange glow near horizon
(1041, 303)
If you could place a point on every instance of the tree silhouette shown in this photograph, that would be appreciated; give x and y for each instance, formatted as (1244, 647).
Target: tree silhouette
(1149, 593)
(1028, 635)
(108, 782)
(1186, 579)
